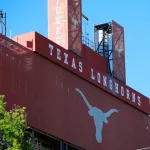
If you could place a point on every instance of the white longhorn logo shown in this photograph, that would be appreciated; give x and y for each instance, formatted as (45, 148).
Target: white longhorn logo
(118, 50)
(99, 116)
(74, 21)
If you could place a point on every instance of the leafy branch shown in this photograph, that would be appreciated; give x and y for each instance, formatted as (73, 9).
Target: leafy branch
(13, 128)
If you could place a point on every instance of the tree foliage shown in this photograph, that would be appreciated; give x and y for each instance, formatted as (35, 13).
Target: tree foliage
(13, 128)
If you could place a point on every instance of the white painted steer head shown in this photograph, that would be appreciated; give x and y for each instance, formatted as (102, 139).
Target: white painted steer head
(98, 115)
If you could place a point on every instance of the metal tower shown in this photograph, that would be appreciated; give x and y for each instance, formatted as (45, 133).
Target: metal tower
(2, 22)
(109, 42)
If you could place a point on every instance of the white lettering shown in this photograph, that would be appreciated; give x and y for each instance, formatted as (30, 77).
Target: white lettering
(80, 67)
(51, 49)
(98, 77)
(58, 54)
(92, 76)
(139, 100)
(105, 81)
(133, 97)
(58, 40)
(58, 20)
(66, 58)
(57, 10)
(122, 91)
(116, 88)
(57, 30)
(73, 64)
(110, 84)
(128, 94)
(58, 23)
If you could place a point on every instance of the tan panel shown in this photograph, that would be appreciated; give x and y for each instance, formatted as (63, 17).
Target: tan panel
(58, 22)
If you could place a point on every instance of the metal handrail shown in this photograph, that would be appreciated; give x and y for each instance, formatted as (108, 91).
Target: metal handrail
(87, 42)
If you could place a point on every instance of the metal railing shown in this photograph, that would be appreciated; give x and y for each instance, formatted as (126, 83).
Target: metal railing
(87, 42)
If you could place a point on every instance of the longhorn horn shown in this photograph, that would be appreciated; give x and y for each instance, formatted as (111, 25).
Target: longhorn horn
(107, 114)
(84, 98)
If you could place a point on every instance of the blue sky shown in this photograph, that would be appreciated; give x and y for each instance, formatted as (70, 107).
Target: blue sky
(31, 15)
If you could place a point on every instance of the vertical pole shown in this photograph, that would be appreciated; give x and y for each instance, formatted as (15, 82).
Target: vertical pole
(66, 147)
(32, 139)
(5, 24)
(61, 145)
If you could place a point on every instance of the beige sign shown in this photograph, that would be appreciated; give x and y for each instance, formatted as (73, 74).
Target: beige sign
(58, 22)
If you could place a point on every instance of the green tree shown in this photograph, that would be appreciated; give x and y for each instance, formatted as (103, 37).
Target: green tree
(13, 128)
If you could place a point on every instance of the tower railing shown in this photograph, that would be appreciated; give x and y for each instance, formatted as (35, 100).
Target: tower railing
(89, 43)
